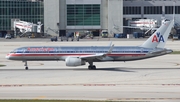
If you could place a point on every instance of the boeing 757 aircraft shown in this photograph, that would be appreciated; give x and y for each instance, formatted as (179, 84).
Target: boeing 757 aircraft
(80, 55)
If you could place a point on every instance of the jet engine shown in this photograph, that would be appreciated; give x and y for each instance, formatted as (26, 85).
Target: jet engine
(73, 61)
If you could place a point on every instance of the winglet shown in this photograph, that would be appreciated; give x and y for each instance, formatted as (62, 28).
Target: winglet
(110, 49)
(110, 43)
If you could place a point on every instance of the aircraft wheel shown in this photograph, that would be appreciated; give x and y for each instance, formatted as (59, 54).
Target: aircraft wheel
(26, 68)
(89, 67)
(94, 67)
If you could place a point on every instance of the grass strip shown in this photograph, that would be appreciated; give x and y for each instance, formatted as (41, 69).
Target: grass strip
(175, 52)
(2, 65)
(9, 100)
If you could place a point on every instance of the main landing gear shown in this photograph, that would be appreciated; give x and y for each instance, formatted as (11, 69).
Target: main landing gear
(91, 66)
(26, 66)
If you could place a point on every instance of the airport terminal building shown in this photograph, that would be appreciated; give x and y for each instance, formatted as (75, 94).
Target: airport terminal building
(77, 15)
(59, 16)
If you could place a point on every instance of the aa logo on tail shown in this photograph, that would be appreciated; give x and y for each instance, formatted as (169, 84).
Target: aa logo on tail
(157, 37)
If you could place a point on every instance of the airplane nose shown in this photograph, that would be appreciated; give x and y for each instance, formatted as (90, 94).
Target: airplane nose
(7, 56)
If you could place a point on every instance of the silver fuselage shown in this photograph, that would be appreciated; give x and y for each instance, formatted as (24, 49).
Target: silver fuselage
(52, 53)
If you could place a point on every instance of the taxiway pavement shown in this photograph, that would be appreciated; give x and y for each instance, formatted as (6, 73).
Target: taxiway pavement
(155, 79)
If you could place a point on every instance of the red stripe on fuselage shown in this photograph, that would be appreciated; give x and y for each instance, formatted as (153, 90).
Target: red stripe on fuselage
(49, 54)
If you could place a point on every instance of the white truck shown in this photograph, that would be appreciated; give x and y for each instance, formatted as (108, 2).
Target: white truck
(104, 33)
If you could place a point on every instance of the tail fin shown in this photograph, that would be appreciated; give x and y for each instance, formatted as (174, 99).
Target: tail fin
(159, 38)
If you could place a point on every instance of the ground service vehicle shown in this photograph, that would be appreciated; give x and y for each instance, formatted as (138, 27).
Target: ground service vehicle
(104, 33)
(54, 38)
(8, 36)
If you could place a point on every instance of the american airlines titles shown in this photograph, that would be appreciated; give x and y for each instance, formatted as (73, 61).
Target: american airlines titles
(40, 49)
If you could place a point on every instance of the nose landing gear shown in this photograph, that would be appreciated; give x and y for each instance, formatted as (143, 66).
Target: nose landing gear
(26, 66)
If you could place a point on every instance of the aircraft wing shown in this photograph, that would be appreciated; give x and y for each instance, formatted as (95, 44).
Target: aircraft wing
(97, 55)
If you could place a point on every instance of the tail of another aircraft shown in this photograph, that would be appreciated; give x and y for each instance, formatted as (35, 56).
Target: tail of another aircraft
(159, 38)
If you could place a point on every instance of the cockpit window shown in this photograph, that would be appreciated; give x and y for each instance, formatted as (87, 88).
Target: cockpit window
(18, 50)
(14, 51)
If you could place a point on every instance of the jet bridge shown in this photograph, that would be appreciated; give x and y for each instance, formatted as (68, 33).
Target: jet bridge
(23, 28)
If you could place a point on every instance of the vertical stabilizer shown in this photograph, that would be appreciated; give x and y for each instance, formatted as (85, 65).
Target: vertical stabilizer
(159, 38)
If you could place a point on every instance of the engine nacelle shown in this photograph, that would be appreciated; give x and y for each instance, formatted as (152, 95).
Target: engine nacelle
(73, 61)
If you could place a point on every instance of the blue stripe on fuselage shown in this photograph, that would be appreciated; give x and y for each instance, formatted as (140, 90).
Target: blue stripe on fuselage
(81, 49)
(84, 52)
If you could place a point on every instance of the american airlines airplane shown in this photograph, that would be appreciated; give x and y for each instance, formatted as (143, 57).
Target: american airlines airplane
(79, 55)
